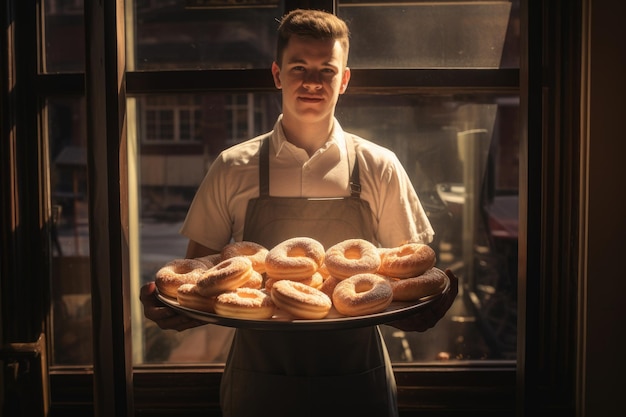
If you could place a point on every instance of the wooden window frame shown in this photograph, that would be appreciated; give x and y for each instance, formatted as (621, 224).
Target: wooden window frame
(544, 377)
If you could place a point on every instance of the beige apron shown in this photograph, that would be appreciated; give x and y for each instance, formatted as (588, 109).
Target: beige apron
(343, 372)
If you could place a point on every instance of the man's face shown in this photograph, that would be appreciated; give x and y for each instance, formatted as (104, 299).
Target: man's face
(312, 76)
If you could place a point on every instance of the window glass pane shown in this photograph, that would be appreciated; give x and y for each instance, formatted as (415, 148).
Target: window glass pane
(462, 156)
(70, 276)
(196, 34)
(433, 34)
(169, 174)
(64, 34)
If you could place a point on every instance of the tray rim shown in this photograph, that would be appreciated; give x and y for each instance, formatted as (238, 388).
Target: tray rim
(396, 311)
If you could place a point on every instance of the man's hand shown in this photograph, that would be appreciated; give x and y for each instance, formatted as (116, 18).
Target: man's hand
(164, 316)
(428, 317)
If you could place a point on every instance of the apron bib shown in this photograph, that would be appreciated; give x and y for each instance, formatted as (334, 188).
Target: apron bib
(271, 220)
(308, 373)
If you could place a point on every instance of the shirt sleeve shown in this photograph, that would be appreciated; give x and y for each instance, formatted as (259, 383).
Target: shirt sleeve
(208, 221)
(398, 213)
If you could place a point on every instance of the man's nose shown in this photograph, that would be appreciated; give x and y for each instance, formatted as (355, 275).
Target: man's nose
(313, 80)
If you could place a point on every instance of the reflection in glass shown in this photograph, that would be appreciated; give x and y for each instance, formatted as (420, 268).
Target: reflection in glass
(183, 34)
(462, 157)
(64, 36)
(180, 34)
(461, 154)
(170, 170)
(435, 34)
(70, 276)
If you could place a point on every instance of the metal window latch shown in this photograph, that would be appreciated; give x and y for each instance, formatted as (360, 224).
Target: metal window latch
(25, 383)
(17, 357)
(17, 370)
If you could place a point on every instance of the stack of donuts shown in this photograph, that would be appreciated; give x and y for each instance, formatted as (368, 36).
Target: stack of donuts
(302, 279)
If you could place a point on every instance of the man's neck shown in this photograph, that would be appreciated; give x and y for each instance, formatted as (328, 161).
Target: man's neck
(308, 136)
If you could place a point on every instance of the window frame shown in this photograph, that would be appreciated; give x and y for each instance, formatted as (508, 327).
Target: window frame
(542, 378)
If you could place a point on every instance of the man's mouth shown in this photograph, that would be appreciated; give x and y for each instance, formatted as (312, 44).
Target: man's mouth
(308, 99)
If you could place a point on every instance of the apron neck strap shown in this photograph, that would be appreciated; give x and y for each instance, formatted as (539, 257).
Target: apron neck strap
(355, 182)
(264, 168)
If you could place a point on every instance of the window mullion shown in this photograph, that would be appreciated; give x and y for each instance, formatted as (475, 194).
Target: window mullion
(391, 80)
(105, 93)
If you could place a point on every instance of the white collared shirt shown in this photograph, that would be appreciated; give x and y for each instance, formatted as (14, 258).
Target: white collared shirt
(217, 213)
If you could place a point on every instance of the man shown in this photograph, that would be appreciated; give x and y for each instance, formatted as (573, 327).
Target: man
(307, 177)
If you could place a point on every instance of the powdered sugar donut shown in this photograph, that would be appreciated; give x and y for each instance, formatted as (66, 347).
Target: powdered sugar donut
(314, 281)
(252, 250)
(255, 281)
(294, 259)
(225, 276)
(210, 260)
(431, 282)
(176, 273)
(362, 294)
(245, 303)
(329, 284)
(189, 296)
(405, 261)
(352, 257)
(300, 300)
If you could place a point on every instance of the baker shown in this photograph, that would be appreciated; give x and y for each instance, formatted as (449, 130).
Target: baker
(307, 177)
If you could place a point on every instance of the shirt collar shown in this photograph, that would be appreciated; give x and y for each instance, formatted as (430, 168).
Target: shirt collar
(336, 137)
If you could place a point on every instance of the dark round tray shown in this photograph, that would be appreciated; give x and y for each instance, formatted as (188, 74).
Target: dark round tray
(396, 311)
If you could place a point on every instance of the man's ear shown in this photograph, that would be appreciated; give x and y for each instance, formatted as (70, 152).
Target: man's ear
(276, 75)
(345, 79)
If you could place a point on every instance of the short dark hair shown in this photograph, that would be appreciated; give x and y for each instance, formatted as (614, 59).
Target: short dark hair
(315, 24)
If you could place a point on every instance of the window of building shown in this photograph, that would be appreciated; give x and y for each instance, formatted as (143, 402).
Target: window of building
(170, 120)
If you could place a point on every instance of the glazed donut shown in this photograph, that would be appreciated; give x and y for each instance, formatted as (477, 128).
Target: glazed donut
(406, 261)
(252, 250)
(300, 300)
(189, 296)
(225, 276)
(245, 303)
(294, 259)
(211, 260)
(352, 257)
(362, 294)
(176, 273)
(431, 282)
(255, 281)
